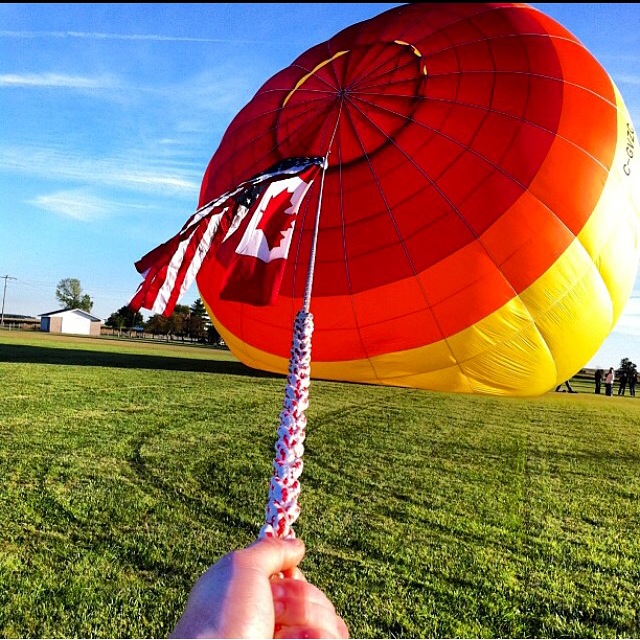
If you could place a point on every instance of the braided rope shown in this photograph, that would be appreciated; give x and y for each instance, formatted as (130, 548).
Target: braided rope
(284, 488)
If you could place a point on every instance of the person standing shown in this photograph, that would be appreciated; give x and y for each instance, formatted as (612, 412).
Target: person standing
(608, 382)
(633, 381)
(622, 382)
(598, 379)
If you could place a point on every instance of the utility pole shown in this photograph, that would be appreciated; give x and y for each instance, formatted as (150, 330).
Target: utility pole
(4, 295)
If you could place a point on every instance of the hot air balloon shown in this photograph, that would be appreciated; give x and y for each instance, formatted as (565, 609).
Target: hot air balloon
(479, 218)
(443, 196)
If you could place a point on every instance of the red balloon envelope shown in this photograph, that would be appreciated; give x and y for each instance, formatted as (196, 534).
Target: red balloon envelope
(479, 222)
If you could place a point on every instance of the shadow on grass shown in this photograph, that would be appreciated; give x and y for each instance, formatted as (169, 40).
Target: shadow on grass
(80, 357)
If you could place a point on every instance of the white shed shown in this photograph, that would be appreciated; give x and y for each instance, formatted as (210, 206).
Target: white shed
(74, 321)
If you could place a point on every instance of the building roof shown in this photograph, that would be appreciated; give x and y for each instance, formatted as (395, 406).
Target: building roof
(61, 311)
(17, 316)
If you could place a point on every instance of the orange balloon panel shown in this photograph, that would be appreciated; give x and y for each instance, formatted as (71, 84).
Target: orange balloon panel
(479, 224)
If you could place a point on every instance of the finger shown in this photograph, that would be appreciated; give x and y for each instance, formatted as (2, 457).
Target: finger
(301, 605)
(304, 611)
(296, 595)
(272, 555)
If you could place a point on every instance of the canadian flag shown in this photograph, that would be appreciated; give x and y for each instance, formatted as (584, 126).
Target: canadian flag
(250, 229)
(256, 246)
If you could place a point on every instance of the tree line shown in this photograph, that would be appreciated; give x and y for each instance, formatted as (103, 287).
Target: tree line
(186, 322)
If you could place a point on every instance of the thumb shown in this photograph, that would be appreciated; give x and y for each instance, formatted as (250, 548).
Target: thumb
(272, 555)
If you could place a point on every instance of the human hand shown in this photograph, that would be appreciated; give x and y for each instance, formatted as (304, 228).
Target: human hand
(258, 592)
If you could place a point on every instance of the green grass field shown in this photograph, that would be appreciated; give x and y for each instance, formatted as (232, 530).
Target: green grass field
(127, 468)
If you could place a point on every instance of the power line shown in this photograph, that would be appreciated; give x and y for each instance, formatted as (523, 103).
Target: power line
(4, 295)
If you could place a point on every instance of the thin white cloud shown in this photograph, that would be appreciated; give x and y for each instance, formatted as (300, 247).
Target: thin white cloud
(77, 204)
(156, 181)
(92, 35)
(83, 205)
(123, 172)
(56, 80)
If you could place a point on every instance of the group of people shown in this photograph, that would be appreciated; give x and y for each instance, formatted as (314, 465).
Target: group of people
(625, 380)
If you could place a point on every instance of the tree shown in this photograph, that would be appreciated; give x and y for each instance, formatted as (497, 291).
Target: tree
(178, 320)
(192, 322)
(69, 293)
(124, 318)
(627, 367)
(213, 337)
(199, 310)
(158, 324)
(200, 324)
(194, 327)
(174, 325)
(198, 321)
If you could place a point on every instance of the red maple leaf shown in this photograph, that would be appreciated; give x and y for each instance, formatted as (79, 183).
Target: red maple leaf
(274, 220)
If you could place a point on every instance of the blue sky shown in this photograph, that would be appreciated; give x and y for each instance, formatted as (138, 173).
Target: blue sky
(111, 112)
